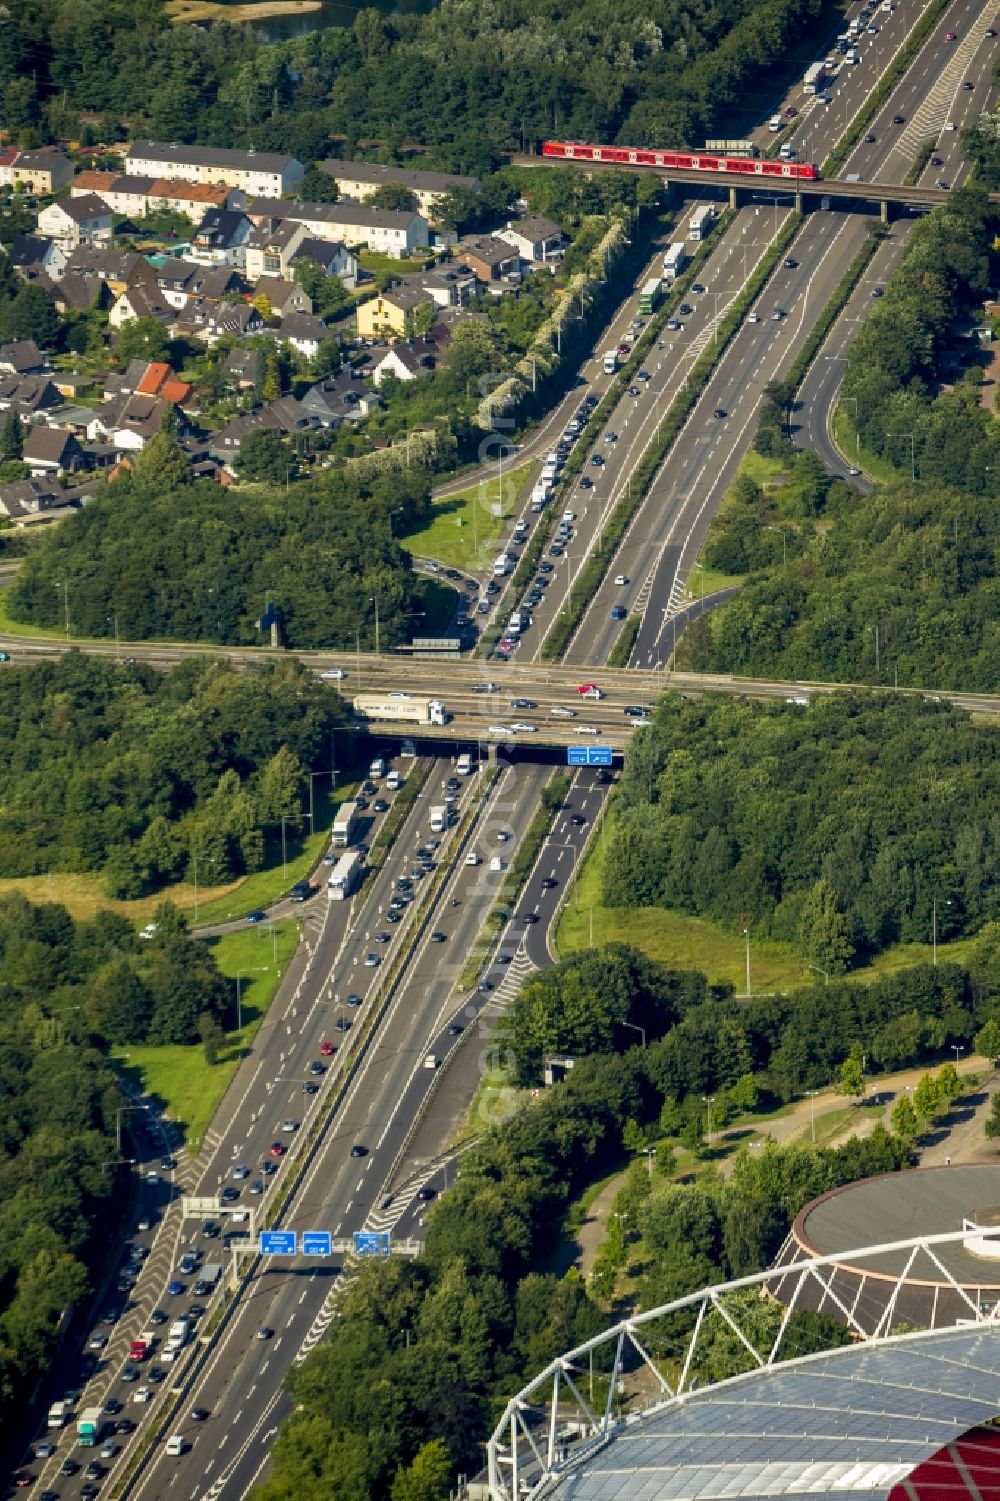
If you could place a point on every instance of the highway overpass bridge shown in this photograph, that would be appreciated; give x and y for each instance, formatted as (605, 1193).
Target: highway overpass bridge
(804, 192)
(482, 715)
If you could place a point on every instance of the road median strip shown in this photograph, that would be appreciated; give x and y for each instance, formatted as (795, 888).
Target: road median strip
(591, 576)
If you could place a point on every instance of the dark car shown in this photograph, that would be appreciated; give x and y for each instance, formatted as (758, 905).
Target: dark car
(158, 1316)
(380, 805)
(790, 263)
(578, 819)
(354, 999)
(342, 1024)
(586, 483)
(309, 1087)
(358, 1150)
(530, 918)
(719, 412)
(455, 1030)
(316, 1068)
(124, 1425)
(426, 1194)
(196, 1311)
(256, 916)
(899, 119)
(597, 460)
(548, 882)
(68, 1467)
(199, 1414)
(175, 1288)
(618, 612)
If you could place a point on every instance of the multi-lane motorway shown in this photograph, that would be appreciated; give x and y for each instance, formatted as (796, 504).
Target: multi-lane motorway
(394, 1109)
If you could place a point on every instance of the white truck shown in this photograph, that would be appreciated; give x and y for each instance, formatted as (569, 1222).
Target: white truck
(610, 361)
(464, 766)
(344, 877)
(177, 1336)
(541, 494)
(701, 222)
(439, 818)
(377, 706)
(58, 1415)
(344, 825)
(813, 81)
(675, 259)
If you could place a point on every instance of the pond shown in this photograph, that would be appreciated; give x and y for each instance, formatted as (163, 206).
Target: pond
(333, 13)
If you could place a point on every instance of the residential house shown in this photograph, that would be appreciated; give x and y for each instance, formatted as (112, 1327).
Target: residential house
(8, 157)
(340, 398)
(126, 194)
(43, 172)
(304, 332)
(158, 379)
(28, 497)
(181, 281)
(28, 395)
(23, 357)
(534, 239)
(128, 422)
(383, 230)
(448, 286)
(331, 256)
(81, 292)
(92, 181)
(360, 180)
(71, 383)
(49, 450)
(119, 268)
(142, 299)
(33, 255)
(488, 257)
(72, 222)
(284, 296)
(238, 320)
(221, 237)
(271, 247)
(260, 173)
(244, 367)
(188, 198)
(405, 361)
(285, 416)
(386, 314)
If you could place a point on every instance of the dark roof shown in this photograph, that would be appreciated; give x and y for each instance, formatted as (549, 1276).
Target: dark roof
(87, 206)
(221, 226)
(29, 250)
(374, 173)
(181, 155)
(22, 356)
(323, 252)
(47, 444)
(334, 214)
(302, 326)
(489, 249)
(535, 228)
(81, 291)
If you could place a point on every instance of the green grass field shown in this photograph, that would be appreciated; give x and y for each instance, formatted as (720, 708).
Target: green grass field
(678, 940)
(17, 627)
(179, 1076)
(872, 465)
(463, 530)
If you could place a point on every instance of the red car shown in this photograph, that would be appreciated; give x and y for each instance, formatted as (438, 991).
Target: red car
(277, 1150)
(791, 112)
(326, 1049)
(589, 690)
(950, 36)
(22, 1479)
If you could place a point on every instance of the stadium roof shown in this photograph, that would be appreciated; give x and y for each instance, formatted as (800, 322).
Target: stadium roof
(848, 1421)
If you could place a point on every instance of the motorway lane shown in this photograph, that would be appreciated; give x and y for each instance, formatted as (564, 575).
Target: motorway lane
(819, 390)
(292, 1032)
(241, 1385)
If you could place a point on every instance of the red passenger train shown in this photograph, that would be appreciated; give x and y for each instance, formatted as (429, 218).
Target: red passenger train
(680, 161)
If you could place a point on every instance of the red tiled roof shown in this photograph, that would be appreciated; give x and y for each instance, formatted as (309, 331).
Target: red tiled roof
(175, 390)
(93, 182)
(155, 375)
(191, 192)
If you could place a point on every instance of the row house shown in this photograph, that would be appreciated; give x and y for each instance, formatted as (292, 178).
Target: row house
(259, 173)
(72, 222)
(361, 179)
(386, 231)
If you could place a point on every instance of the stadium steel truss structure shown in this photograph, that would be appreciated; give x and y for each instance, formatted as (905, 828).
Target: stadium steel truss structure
(636, 1413)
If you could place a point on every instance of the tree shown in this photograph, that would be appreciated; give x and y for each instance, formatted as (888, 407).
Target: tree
(927, 1098)
(12, 436)
(993, 1123)
(161, 465)
(265, 457)
(393, 196)
(904, 1119)
(823, 929)
(318, 186)
(852, 1077)
(212, 1038)
(31, 314)
(263, 305)
(987, 1040)
(142, 339)
(427, 1477)
(422, 319)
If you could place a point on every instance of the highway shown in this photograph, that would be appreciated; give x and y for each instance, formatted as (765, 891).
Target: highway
(382, 1109)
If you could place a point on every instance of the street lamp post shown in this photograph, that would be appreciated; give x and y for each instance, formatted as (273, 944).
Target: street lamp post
(123, 1110)
(812, 1113)
(934, 907)
(633, 1028)
(853, 401)
(746, 935)
(958, 1051)
(261, 970)
(709, 1100)
(374, 601)
(784, 542)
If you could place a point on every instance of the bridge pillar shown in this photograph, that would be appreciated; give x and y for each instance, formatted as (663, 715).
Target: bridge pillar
(883, 209)
(491, 753)
(732, 198)
(798, 203)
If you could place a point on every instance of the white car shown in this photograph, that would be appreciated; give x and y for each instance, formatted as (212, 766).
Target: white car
(559, 712)
(501, 729)
(502, 836)
(754, 318)
(621, 578)
(586, 729)
(141, 1394)
(98, 1341)
(524, 729)
(398, 693)
(333, 675)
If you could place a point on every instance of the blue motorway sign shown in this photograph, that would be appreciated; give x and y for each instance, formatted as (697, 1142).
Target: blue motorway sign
(317, 1243)
(372, 1242)
(278, 1242)
(588, 755)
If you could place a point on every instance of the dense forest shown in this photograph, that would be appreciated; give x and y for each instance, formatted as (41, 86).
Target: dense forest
(839, 828)
(164, 557)
(468, 80)
(121, 769)
(402, 1393)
